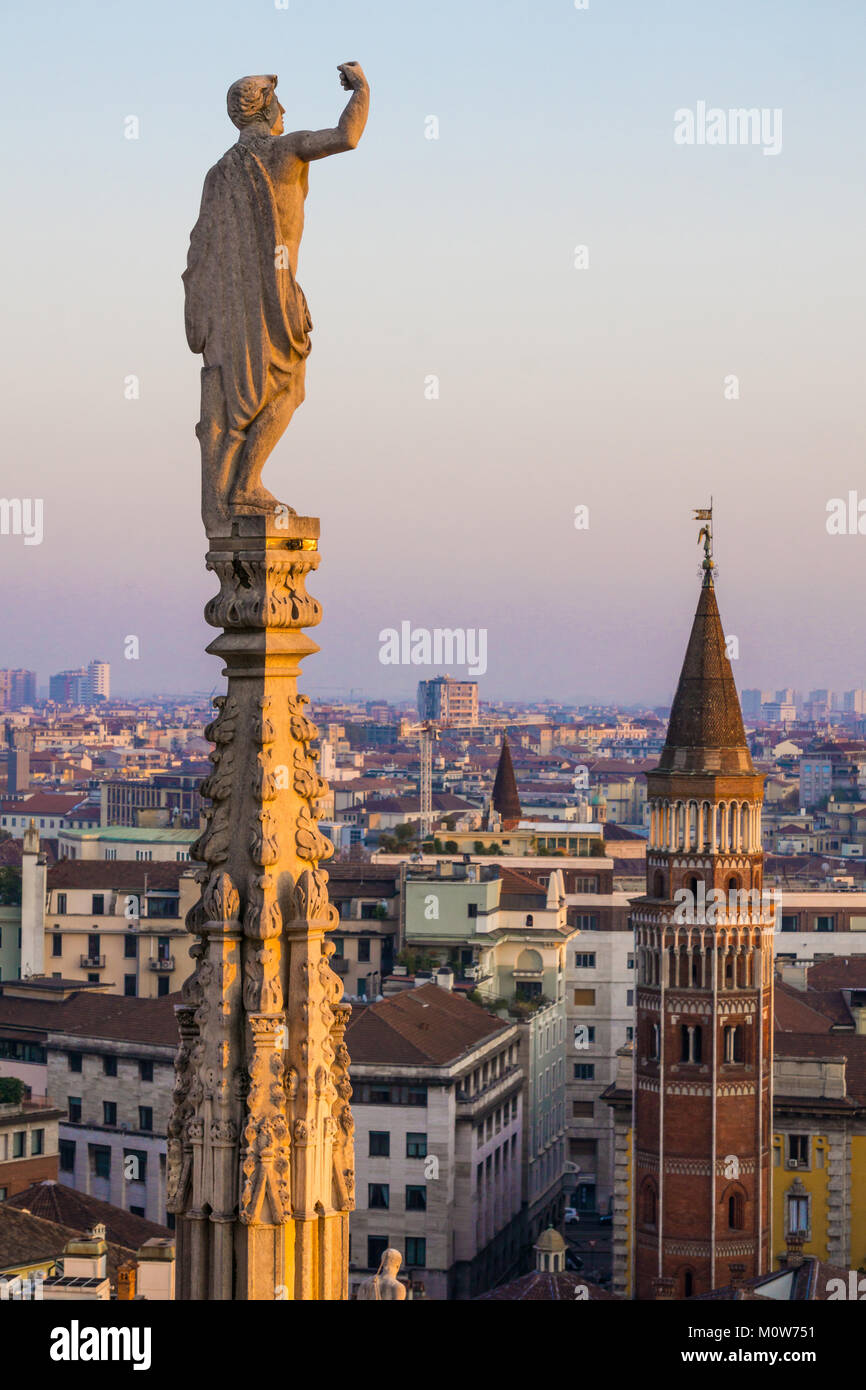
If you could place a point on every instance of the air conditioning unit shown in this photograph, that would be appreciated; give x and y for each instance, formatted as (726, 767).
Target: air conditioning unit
(792, 1162)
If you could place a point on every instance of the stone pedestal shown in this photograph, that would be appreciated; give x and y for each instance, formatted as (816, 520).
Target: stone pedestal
(260, 1154)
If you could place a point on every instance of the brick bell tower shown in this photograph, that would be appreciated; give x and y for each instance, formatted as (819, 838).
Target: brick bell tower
(703, 1042)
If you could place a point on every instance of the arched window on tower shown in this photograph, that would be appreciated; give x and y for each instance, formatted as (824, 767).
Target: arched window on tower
(690, 1042)
(697, 980)
(733, 1040)
(736, 1211)
(688, 1283)
(659, 885)
(649, 1203)
(654, 1043)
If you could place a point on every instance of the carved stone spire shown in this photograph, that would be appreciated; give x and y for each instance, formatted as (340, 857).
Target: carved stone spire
(260, 1152)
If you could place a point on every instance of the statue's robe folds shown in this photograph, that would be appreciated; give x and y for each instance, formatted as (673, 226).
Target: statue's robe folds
(245, 311)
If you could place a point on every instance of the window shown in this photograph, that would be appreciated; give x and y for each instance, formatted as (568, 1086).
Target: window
(798, 1149)
(129, 986)
(582, 1109)
(690, 1042)
(145, 1071)
(380, 1143)
(144, 854)
(416, 1251)
(736, 1211)
(587, 921)
(57, 944)
(649, 1204)
(67, 1155)
(75, 1061)
(73, 1104)
(376, 1247)
(137, 1211)
(654, 1043)
(378, 1196)
(19, 1143)
(584, 1071)
(629, 996)
(584, 996)
(363, 949)
(733, 1041)
(339, 945)
(584, 960)
(61, 903)
(98, 908)
(101, 1161)
(629, 1034)
(145, 1117)
(109, 1112)
(93, 945)
(797, 1215)
(109, 1066)
(93, 979)
(789, 921)
(471, 909)
(130, 947)
(416, 1145)
(135, 1165)
(162, 986)
(825, 923)
(416, 1198)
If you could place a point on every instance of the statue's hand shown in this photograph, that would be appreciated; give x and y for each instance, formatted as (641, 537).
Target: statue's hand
(352, 77)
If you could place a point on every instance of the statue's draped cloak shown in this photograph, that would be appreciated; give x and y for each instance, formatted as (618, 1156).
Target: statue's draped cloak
(244, 309)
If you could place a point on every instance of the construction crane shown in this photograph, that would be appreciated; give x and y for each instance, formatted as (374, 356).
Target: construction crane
(428, 734)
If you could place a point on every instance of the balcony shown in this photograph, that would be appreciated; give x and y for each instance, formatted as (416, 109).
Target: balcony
(163, 965)
(472, 1103)
(92, 962)
(340, 965)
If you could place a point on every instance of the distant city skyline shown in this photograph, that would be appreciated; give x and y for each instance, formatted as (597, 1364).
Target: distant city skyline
(599, 380)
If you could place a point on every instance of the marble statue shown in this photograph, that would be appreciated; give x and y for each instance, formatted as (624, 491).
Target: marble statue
(245, 311)
(384, 1283)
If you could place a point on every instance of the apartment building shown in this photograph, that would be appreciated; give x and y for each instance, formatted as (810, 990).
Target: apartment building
(437, 1102)
(448, 701)
(367, 897)
(504, 936)
(29, 1138)
(120, 923)
(107, 1064)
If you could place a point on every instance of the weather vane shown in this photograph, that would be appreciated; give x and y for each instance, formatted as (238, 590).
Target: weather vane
(706, 535)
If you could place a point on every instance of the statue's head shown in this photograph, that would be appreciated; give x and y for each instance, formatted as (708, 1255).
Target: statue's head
(252, 101)
(391, 1262)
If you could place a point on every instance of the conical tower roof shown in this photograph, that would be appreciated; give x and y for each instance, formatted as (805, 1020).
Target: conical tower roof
(705, 732)
(505, 799)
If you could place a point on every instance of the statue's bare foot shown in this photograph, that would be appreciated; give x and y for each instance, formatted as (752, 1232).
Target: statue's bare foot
(255, 501)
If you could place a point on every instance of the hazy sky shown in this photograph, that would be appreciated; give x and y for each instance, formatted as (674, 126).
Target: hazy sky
(558, 386)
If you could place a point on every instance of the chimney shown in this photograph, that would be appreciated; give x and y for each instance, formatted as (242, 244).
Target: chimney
(33, 889)
(663, 1289)
(155, 1273)
(126, 1282)
(794, 1256)
(445, 978)
(737, 1275)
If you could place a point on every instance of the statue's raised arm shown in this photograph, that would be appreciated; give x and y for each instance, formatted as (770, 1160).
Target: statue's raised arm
(245, 311)
(316, 144)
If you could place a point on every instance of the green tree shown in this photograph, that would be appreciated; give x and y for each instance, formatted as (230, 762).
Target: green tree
(10, 886)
